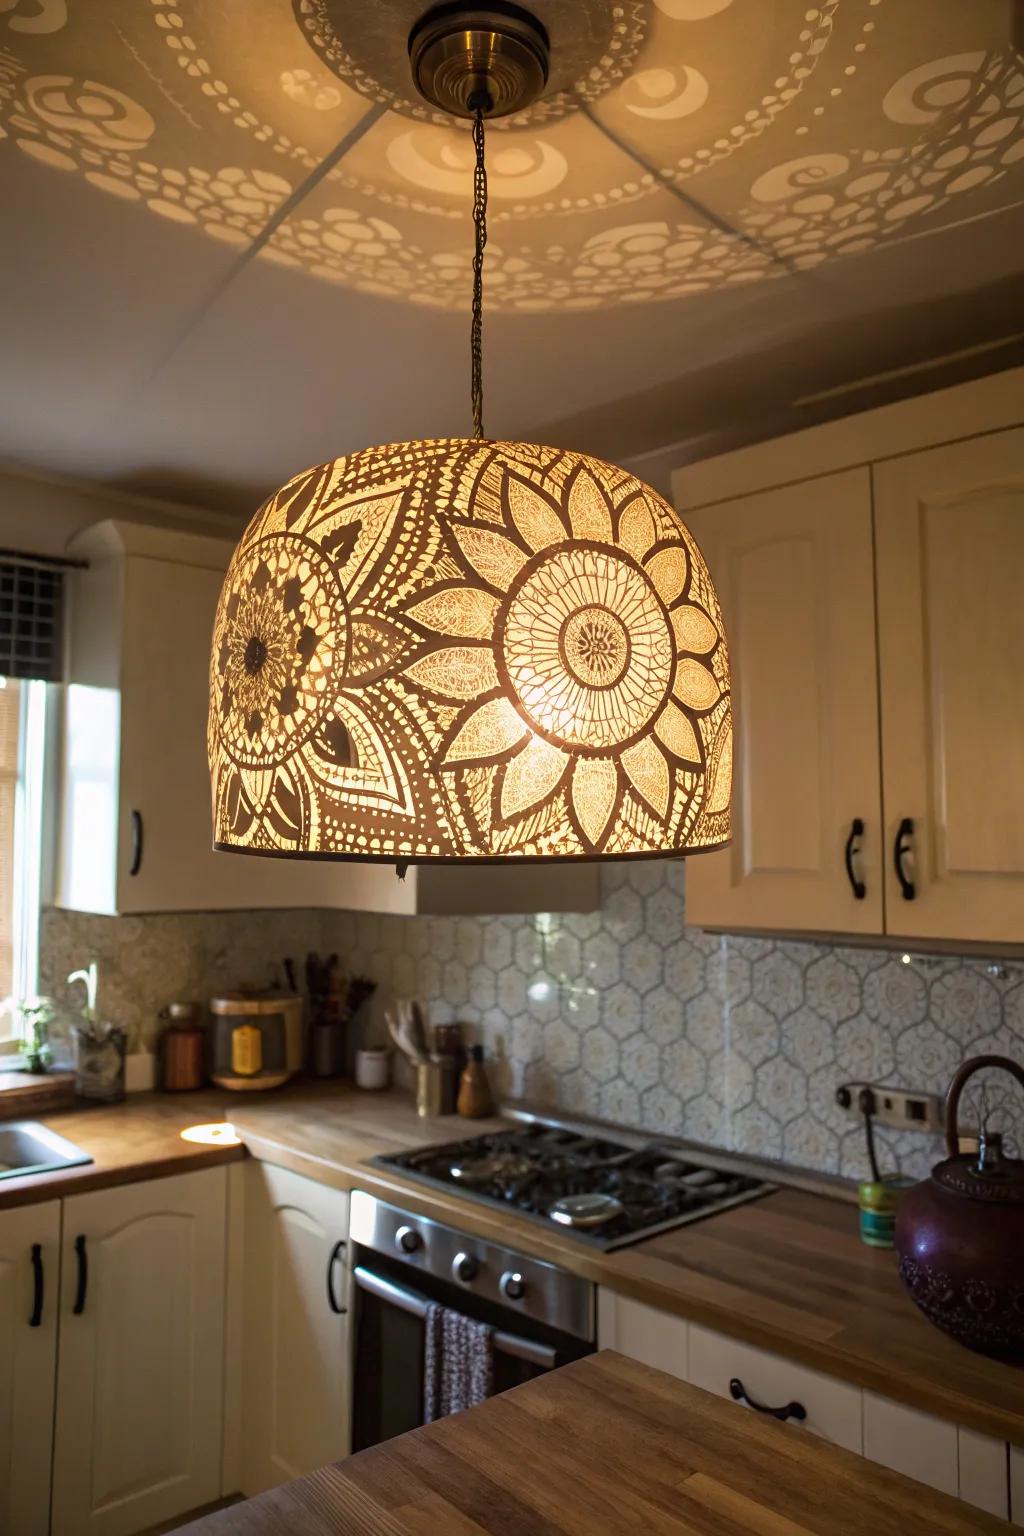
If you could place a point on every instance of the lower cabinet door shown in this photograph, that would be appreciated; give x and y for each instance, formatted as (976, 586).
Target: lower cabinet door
(952, 1458)
(141, 1369)
(29, 1265)
(296, 1355)
(644, 1333)
(763, 1381)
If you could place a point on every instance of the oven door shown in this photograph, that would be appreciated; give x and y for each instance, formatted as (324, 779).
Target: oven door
(389, 1353)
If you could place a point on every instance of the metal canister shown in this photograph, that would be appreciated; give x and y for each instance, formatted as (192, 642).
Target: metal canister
(879, 1201)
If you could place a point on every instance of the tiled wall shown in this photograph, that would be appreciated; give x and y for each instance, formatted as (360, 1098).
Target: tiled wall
(623, 1013)
(146, 962)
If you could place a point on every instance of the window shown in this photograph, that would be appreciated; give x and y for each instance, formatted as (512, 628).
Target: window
(32, 644)
(22, 769)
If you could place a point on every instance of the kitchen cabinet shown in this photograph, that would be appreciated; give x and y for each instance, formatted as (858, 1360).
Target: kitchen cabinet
(140, 1364)
(135, 824)
(29, 1263)
(296, 1360)
(949, 526)
(793, 572)
(871, 601)
(980, 1470)
(136, 830)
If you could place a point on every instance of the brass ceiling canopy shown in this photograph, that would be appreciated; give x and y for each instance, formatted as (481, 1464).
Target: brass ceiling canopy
(493, 53)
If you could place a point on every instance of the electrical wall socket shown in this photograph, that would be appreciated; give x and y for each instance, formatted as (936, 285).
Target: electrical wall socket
(900, 1107)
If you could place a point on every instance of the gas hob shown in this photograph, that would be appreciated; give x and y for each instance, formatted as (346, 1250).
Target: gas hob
(595, 1190)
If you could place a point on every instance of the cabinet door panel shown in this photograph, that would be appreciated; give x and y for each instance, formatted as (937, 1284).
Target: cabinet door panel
(909, 1441)
(793, 570)
(296, 1348)
(644, 1333)
(28, 1357)
(140, 1374)
(950, 547)
(983, 1472)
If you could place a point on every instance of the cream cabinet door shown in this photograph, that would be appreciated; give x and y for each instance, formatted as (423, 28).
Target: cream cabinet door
(952, 1458)
(296, 1355)
(793, 570)
(655, 1338)
(950, 551)
(29, 1266)
(140, 1372)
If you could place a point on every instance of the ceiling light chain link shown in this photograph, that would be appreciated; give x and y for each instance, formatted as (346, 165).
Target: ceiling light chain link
(480, 106)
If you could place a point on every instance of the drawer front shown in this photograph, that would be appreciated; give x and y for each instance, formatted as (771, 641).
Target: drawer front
(833, 1408)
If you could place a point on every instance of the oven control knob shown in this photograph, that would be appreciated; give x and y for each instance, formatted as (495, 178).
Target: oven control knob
(465, 1267)
(513, 1285)
(408, 1240)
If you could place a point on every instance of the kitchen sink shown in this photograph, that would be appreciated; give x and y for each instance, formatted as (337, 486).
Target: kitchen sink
(28, 1147)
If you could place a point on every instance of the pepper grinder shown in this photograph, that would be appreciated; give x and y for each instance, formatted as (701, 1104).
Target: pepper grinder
(474, 1090)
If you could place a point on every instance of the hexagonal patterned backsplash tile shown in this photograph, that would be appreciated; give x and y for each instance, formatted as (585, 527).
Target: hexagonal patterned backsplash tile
(623, 1013)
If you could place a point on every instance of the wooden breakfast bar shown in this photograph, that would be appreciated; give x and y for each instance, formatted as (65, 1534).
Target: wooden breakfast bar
(602, 1447)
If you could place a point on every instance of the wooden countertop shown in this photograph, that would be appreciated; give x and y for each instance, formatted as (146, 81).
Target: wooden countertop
(600, 1448)
(787, 1273)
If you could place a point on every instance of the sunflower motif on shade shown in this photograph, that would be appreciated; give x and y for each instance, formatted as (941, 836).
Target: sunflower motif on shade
(462, 649)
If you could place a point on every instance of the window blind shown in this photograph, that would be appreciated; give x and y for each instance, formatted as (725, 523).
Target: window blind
(10, 714)
(31, 619)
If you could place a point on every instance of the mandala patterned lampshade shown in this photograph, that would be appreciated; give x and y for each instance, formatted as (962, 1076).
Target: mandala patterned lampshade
(466, 649)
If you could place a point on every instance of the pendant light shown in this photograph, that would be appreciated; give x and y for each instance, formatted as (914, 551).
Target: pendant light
(468, 649)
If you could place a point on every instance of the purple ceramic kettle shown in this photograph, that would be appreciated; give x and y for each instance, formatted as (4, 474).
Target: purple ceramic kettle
(960, 1234)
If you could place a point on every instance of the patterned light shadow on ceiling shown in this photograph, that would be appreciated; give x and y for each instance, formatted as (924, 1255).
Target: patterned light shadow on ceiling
(685, 145)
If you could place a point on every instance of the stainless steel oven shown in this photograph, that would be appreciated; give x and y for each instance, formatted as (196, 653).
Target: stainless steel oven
(541, 1315)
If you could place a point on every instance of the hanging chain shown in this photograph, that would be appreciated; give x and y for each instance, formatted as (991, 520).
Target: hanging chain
(479, 241)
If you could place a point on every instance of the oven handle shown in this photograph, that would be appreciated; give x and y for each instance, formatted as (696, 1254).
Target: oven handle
(541, 1355)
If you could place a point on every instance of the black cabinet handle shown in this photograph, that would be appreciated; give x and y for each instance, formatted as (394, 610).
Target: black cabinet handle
(83, 1276)
(336, 1253)
(136, 863)
(790, 1411)
(901, 847)
(858, 887)
(37, 1286)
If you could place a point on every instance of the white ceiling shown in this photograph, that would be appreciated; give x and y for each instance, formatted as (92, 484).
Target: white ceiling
(864, 215)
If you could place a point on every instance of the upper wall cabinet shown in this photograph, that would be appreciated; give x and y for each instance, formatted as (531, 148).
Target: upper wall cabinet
(135, 832)
(949, 529)
(793, 572)
(877, 638)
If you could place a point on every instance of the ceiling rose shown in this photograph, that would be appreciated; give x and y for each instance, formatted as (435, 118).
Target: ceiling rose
(467, 649)
(668, 155)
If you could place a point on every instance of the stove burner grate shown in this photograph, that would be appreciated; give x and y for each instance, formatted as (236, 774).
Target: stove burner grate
(549, 1173)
